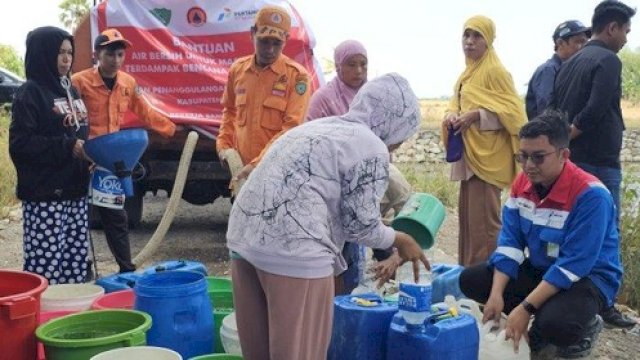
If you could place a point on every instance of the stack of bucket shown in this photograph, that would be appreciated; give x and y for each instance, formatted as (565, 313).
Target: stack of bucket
(220, 292)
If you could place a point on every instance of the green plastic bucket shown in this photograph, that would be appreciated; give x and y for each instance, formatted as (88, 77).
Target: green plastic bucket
(221, 295)
(220, 292)
(217, 357)
(421, 218)
(82, 335)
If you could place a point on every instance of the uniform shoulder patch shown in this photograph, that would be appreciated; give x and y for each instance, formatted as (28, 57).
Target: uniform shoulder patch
(301, 87)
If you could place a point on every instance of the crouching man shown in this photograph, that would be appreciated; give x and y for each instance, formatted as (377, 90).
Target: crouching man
(565, 219)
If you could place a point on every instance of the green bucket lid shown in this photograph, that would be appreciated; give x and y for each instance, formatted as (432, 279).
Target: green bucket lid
(421, 217)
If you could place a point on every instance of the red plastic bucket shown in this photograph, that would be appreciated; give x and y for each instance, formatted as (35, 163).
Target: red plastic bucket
(19, 313)
(44, 317)
(122, 299)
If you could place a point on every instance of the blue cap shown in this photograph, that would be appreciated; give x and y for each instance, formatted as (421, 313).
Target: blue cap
(570, 28)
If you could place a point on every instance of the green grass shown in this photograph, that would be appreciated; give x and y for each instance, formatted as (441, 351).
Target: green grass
(432, 111)
(8, 183)
(432, 179)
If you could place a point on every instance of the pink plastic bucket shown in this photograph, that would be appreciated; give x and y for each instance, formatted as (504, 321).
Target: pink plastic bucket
(122, 299)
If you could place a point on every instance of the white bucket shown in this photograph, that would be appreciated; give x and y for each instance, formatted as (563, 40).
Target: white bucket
(138, 353)
(70, 297)
(229, 335)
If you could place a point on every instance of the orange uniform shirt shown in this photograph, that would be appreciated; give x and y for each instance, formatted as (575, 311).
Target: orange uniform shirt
(106, 107)
(261, 104)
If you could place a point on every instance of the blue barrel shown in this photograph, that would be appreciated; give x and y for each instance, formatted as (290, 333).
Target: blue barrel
(117, 282)
(181, 311)
(455, 338)
(360, 327)
(178, 265)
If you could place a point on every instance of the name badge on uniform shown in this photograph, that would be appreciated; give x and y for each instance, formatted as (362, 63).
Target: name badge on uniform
(553, 250)
(280, 86)
(105, 189)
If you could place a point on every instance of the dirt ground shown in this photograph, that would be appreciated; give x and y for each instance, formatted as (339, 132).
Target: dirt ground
(197, 233)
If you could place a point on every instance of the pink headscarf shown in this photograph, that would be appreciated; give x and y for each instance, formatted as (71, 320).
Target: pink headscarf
(334, 98)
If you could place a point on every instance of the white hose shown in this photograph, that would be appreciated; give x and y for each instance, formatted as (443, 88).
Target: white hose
(232, 157)
(174, 200)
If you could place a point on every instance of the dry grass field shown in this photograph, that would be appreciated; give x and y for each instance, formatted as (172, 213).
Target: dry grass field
(433, 111)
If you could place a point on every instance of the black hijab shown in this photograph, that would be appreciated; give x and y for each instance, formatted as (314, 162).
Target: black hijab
(41, 60)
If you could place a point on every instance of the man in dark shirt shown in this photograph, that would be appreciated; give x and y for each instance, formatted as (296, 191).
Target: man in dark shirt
(568, 38)
(588, 88)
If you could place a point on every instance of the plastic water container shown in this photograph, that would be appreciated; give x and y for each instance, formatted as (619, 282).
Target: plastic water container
(176, 265)
(494, 345)
(229, 335)
(360, 326)
(446, 281)
(123, 299)
(118, 281)
(221, 295)
(70, 297)
(19, 312)
(455, 338)
(414, 302)
(181, 311)
(82, 335)
(44, 318)
(139, 353)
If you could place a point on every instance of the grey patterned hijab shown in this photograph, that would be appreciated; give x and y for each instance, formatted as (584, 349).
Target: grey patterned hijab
(388, 106)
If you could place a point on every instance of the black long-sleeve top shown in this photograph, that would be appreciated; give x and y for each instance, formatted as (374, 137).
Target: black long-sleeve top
(588, 88)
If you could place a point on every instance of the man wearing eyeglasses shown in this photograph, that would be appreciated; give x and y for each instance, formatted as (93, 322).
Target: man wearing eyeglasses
(565, 219)
(267, 93)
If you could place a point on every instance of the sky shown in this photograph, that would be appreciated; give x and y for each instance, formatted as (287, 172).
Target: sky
(420, 39)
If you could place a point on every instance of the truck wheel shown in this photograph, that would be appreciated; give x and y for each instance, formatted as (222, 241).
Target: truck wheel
(133, 206)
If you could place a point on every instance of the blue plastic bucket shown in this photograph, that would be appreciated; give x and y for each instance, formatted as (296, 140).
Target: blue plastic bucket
(360, 327)
(181, 311)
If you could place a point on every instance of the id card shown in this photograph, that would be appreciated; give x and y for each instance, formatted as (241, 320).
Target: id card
(553, 250)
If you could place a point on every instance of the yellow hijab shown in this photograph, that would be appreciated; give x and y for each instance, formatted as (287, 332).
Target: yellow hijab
(487, 84)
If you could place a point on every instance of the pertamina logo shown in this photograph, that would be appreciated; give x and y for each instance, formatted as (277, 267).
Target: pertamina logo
(196, 16)
(224, 15)
(241, 15)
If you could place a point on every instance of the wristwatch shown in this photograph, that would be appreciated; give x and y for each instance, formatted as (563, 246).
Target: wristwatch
(527, 306)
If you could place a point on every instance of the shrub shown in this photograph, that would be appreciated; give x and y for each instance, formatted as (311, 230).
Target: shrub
(630, 239)
(8, 183)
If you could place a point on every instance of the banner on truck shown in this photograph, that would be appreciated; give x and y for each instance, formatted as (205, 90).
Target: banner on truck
(182, 50)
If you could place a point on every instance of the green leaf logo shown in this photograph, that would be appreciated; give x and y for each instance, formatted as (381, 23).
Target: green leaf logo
(164, 15)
